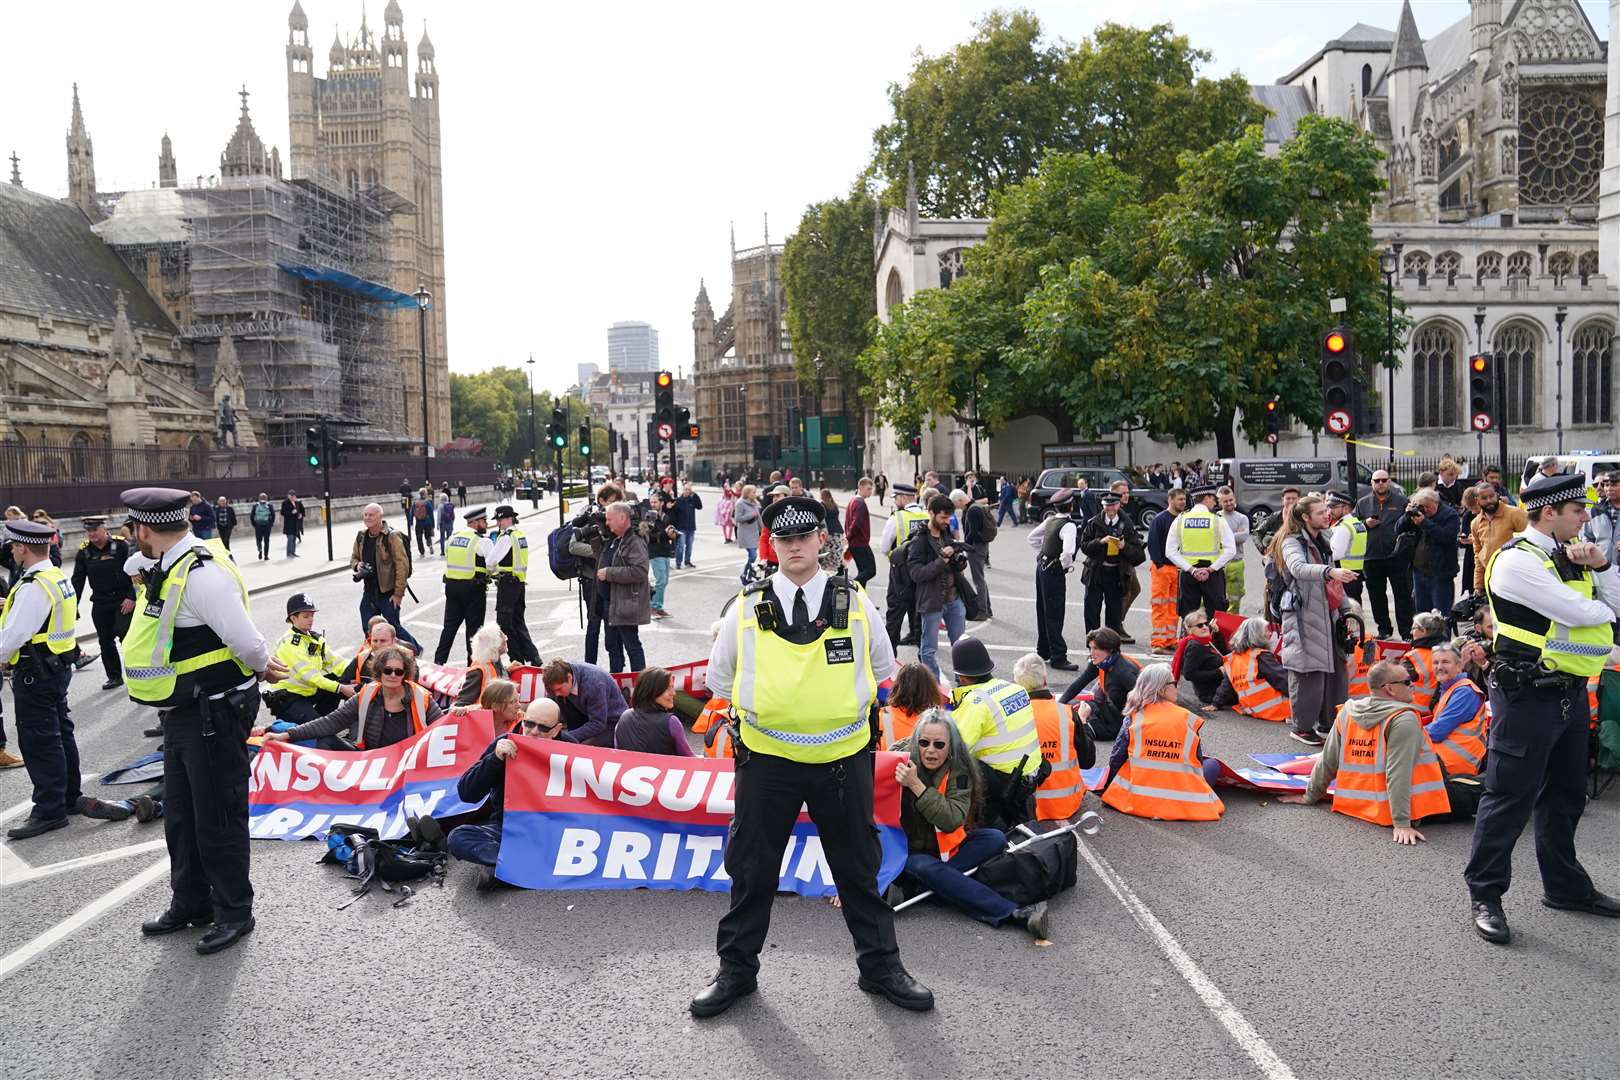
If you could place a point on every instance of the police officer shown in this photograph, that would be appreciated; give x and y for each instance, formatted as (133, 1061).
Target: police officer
(1111, 547)
(997, 722)
(901, 602)
(466, 582)
(37, 629)
(1348, 539)
(101, 561)
(509, 563)
(1201, 544)
(802, 682)
(313, 686)
(193, 650)
(1060, 539)
(1553, 601)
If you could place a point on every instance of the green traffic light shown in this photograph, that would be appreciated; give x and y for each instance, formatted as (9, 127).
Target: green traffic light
(314, 462)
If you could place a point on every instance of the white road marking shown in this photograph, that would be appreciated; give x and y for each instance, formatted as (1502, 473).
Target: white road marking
(12, 866)
(1243, 1033)
(20, 956)
(32, 873)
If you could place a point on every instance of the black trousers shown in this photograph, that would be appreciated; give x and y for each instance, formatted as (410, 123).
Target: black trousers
(45, 738)
(464, 604)
(261, 536)
(1209, 593)
(424, 536)
(838, 795)
(900, 605)
(1536, 768)
(510, 604)
(205, 814)
(1105, 599)
(110, 630)
(593, 616)
(1397, 574)
(865, 564)
(1051, 595)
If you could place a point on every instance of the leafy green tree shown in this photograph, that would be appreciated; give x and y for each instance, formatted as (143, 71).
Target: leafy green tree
(482, 408)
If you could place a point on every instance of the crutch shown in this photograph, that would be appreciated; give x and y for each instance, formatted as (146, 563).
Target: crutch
(1089, 823)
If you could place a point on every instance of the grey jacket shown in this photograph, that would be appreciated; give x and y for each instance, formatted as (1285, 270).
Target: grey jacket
(1381, 536)
(1604, 529)
(629, 593)
(1308, 628)
(745, 516)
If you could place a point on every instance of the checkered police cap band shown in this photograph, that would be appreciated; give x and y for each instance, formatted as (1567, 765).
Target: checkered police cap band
(1553, 491)
(27, 532)
(160, 517)
(795, 519)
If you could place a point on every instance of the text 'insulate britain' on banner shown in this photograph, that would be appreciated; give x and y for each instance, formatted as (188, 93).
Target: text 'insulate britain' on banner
(583, 817)
(297, 791)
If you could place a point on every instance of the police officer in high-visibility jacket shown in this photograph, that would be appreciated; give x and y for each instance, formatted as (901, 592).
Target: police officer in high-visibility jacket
(466, 582)
(38, 624)
(313, 686)
(1201, 544)
(800, 656)
(901, 598)
(193, 650)
(1553, 601)
(997, 721)
(1348, 540)
(509, 562)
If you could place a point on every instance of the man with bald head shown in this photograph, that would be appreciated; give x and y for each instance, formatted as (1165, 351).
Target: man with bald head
(381, 563)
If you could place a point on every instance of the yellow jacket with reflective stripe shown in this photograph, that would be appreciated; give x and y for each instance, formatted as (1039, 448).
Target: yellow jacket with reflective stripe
(1574, 650)
(461, 559)
(310, 664)
(997, 722)
(1356, 557)
(516, 559)
(156, 673)
(1198, 532)
(906, 522)
(60, 627)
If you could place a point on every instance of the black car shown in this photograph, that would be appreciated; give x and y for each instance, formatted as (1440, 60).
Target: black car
(1145, 501)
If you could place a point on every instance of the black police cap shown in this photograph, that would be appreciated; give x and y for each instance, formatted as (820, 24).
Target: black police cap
(1553, 490)
(299, 602)
(795, 515)
(157, 505)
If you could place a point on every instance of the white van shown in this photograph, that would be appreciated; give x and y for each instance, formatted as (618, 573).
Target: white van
(1591, 464)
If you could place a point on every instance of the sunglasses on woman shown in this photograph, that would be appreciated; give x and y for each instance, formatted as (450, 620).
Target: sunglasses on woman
(393, 671)
(932, 744)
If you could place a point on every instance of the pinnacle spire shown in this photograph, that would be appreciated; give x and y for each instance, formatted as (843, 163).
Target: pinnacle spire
(78, 114)
(16, 174)
(1407, 51)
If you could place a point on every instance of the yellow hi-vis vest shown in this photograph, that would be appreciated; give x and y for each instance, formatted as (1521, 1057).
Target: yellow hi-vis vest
(1573, 650)
(311, 667)
(997, 722)
(807, 703)
(163, 663)
(1356, 557)
(907, 522)
(516, 559)
(461, 561)
(58, 631)
(1198, 532)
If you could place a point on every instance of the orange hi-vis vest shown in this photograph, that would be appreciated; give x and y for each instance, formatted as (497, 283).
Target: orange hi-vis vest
(1359, 665)
(1361, 788)
(1463, 750)
(1162, 777)
(1421, 660)
(489, 676)
(949, 841)
(1593, 684)
(360, 659)
(897, 724)
(714, 712)
(1256, 697)
(1060, 796)
(717, 740)
(416, 699)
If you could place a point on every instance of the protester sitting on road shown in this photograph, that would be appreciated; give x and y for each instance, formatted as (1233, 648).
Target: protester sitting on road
(379, 632)
(648, 726)
(485, 781)
(1461, 725)
(589, 698)
(940, 797)
(384, 712)
(1199, 665)
(1256, 682)
(914, 692)
(488, 646)
(1115, 676)
(1379, 760)
(1157, 768)
(1066, 742)
(1428, 630)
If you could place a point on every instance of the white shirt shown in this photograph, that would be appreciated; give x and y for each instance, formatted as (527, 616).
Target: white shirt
(1520, 577)
(1238, 522)
(213, 599)
(1070, 532)
(1172, 545)
(723, 654)
(497, 548)
(29, 607)
(890, 529)
(1339, 541)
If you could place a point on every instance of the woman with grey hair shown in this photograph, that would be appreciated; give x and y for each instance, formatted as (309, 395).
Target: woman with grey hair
(488, 646)
(1151, 707)
(940, 796)
(1256, 681)
(1428, 630)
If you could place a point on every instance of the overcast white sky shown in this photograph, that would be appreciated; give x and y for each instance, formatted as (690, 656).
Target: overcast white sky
(595, 155)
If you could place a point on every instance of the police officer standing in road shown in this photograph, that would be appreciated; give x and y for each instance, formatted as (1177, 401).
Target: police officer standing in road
(509, 562)
(466, 582)
(1201, 544)
(1060, 539)
(101, 561)
(799, 656)
(1553, 601)
(192, 649)
(1348, 540)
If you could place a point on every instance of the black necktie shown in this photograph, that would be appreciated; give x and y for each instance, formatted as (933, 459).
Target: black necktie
(801, 611)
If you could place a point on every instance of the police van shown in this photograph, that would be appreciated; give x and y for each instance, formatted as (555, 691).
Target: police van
(1593, 465)
(1258, 483)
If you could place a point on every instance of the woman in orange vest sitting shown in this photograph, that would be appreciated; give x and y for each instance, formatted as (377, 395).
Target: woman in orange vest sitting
(488, 646)
(1066, 742)
(1428, 630)
(1379, 760)
(1157, 768)
(1462, 723)
(383, 713)
(914, 692)
(939, 801)
(1256, 684)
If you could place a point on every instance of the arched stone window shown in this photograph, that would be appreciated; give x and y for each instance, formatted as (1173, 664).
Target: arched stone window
(1587, 267)
(1417, 265)
(1447, 265)
(1560, 264)
(79, 450)
(1592, 378)
(1518, 266)
(893, 293)
(1366, 80)
(1488, 265)
(1516, 345)
(1436, 356)
(951, 266)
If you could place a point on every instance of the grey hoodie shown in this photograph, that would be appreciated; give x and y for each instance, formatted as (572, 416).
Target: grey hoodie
(1402, 739)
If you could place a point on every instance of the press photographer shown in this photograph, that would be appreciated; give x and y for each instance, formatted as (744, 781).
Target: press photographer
(1433, 525)
(937, 565)
(590, 534)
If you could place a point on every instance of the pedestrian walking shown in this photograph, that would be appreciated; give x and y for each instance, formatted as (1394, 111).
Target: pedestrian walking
(292, 522)
(746, 514)
(936, 574)
(684, 517)
(723, 514)
(858, 532)
(422, 521)
(447, 519)
(263, 517)
(978, 529)
(461, 492)
(202, 517)
(224, 520)
(380, 561)
(1006, 502)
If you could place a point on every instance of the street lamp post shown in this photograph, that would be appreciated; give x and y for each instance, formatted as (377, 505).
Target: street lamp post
(1559, 315)
(1390, 264)
(1479, 347)
(534, 445)
(423, 300)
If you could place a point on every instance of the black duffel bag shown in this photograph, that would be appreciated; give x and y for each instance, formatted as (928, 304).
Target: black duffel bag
(1037, 872)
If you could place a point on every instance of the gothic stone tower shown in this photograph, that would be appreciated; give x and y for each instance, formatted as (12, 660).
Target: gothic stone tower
(81, 164)
(362, 127)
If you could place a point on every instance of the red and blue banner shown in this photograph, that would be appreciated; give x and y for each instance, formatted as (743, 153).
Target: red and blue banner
(297, 791)
(585, 817)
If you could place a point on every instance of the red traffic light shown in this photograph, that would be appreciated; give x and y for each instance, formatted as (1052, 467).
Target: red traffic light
(1271, 405)
(1478, 362)
(1334, 342)
(665, 378)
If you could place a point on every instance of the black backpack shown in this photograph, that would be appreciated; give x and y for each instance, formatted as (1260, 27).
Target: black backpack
(1037, 872)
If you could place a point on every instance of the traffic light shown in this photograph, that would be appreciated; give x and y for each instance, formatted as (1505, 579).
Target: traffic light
(624, 446)
(683, 424)
(585, 439)
(654, 443)
(334, 451)
(1480, 405)
(558, 428)
(313, 450)
(1273, 419)
(1338, 382)
(690, 433)
(664, 400)
(916, 446)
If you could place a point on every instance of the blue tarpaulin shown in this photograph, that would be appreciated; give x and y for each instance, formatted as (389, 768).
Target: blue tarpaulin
(371, 290)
